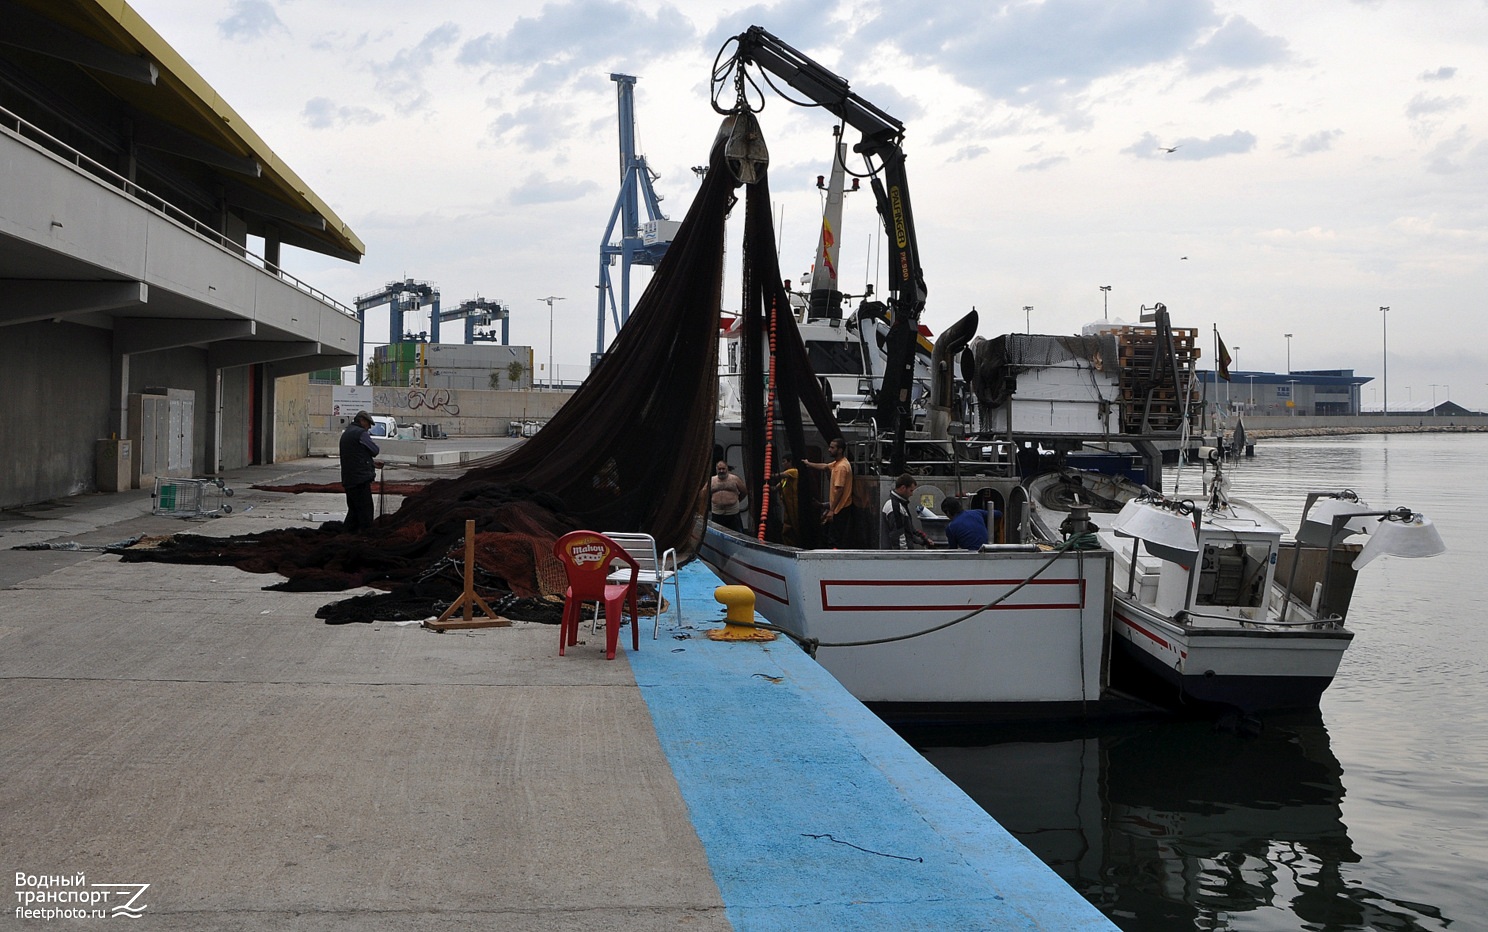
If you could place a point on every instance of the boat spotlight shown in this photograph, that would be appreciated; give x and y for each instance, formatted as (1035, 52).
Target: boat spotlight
(1337, 515)
(1401, 533)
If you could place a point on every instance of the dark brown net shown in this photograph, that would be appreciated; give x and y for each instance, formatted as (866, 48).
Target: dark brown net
(768, 325)
(629, 451)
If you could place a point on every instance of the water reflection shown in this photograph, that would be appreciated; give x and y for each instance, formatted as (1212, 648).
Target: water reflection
(1182, 825)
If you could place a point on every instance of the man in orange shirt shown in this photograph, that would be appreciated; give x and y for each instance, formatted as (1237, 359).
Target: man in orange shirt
(837, 512)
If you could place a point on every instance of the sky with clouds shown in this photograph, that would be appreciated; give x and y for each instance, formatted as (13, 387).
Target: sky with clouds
(1262, 166)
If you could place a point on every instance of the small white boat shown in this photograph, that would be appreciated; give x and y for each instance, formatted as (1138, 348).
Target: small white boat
(1211, 606)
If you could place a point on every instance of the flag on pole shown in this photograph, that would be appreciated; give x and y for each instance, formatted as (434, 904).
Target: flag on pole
(1223, 356)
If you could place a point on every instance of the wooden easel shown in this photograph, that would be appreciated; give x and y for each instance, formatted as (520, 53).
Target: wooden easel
(468, 600)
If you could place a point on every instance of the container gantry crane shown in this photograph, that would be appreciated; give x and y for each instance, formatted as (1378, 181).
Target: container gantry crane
(640, 244)
(402, 298)
(482, 312)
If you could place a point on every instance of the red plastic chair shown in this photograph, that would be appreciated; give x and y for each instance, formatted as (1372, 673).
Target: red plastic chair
(586, 558)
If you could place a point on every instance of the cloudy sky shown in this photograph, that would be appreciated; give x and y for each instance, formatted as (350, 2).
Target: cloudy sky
(1329, 158)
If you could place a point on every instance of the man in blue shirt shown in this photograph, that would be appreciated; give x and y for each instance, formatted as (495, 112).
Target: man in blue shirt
(358, 468)
(967, 528)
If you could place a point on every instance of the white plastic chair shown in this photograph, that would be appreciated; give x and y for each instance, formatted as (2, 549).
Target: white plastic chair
(655, 569)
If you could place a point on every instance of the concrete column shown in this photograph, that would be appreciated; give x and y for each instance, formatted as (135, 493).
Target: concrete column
(271, 248)
(214, 425)
(119, 391)
(263, 430)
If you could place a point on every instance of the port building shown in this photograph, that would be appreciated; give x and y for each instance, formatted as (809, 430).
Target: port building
(150, 320)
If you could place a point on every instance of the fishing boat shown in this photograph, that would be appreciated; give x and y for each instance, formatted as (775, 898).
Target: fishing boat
(1212, 606)
(1019, 628)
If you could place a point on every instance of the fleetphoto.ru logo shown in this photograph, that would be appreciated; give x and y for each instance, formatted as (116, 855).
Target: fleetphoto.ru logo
(70, 896)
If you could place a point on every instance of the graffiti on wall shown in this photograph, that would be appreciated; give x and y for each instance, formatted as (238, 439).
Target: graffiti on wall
(433, 400)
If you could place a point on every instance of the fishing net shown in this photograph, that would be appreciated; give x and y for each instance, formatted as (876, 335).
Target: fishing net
(630, 451)
(768, 332)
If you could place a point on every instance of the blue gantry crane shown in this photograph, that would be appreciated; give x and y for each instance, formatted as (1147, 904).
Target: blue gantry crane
(639, 244)
(482, 312)
(404, 297)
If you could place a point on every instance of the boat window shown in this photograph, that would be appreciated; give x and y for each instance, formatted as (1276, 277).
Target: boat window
(834, 358)
(1233, 575)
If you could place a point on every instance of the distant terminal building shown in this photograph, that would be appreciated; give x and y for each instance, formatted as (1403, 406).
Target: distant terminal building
(1443, 408)
(491, 367)
(1320, 392)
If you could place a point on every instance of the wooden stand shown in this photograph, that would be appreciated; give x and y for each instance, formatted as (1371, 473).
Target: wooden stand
(468, 600)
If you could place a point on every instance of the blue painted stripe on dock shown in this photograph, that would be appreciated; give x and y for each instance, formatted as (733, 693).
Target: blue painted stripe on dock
(783, 772)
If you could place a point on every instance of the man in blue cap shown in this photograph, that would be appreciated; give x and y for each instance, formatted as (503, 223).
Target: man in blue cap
(358, 468)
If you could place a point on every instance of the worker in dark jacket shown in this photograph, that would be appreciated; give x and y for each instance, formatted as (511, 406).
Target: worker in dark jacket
(358, 468)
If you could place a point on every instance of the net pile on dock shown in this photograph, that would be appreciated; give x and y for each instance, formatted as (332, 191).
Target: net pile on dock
(630, 451)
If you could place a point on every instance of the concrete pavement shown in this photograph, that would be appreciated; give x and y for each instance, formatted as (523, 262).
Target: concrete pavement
(178, 726)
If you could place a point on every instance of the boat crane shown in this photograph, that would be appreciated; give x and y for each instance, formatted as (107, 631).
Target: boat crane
(640, 244)
(882, 148)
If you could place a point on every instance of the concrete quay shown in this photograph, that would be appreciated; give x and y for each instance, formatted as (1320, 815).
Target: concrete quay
(179, 726)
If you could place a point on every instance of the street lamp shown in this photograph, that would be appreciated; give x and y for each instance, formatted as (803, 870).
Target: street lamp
(1105, 302)
(1289, 352)
(1433, 399)
(1292, 391)
(1385, 353)
(1251, 405)
(1028, 318)
(550, 299)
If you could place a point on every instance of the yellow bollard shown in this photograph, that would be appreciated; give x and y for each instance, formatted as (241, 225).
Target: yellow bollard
(738, 622)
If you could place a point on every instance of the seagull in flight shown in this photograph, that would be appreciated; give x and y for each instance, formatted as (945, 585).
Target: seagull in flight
(1171, 149)
(1183, 257)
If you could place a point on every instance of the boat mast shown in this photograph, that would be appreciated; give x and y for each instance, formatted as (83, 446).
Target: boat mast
(826, 298)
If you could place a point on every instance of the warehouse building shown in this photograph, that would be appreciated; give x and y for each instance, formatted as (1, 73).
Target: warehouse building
(148, 323)
(1322, 392)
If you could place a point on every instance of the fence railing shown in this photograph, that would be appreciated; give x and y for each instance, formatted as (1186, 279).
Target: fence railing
(30, 134)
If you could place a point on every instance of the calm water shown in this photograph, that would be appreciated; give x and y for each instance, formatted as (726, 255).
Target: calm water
(1368, 814)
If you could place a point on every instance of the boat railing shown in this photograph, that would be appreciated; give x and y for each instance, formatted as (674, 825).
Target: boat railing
(1326, 621)
(959, 456)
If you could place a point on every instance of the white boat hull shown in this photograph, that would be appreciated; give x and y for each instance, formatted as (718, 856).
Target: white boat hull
(1255, 669)
(1042, 646)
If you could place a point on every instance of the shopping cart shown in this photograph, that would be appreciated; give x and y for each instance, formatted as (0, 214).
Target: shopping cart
(191, 498)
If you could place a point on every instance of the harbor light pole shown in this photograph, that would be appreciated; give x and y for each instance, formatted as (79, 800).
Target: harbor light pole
(1292, 390)
(550, 299)
(1289, 352)
(1251, 405)
(1385, 353)
(1105, 302)
(1433, 399)
(1234, 358)
(1028, 318)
